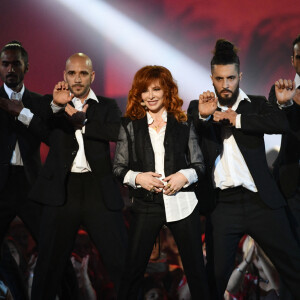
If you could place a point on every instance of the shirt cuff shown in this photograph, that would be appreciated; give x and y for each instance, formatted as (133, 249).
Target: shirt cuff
(129, 179)
(204, 119)
(286, 104)
(238, 121)
(25, 116)
(55, 108)
(190, 175)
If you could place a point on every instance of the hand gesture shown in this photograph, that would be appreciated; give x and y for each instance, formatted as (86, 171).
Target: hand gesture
(62, 94)
(227, 118)
(285, 90)
(174, 183)
(149, 181)
(13, 107)
(75, 116)
(207, 104)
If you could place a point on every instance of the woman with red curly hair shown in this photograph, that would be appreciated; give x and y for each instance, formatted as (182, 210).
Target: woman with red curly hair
(159, 159)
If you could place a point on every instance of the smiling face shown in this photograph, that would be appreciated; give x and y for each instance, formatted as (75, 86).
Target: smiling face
(226, 81)
(153, 97)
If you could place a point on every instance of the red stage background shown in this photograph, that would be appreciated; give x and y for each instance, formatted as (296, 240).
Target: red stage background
(263, 30)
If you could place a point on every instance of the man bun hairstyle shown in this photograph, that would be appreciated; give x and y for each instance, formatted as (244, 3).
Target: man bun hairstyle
(16, 46)
(225, 53)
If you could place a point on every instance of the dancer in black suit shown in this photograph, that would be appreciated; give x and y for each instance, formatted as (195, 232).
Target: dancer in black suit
(159, 158)
(76, 184)
(21, 130)
(285, 95)
(231, 127)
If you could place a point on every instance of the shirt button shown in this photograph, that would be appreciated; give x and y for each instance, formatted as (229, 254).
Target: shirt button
(74, 152)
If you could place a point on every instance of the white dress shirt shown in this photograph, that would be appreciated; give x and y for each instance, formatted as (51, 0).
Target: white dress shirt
(181, 204)
(230, 167)
(297, 80)
(80, 163)
(25, 117)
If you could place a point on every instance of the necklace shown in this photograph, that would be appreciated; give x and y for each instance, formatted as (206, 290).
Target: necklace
(156, 127)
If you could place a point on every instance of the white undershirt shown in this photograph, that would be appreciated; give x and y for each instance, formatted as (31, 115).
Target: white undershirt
(80, 163)
(230, 167)
(25, 117)
(182, 204)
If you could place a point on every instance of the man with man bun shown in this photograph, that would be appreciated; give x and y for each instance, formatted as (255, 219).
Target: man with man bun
(231, 126)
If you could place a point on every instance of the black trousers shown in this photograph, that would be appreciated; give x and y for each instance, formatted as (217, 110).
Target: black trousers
(293, 212)
(240, 211)
(14, 202)
(84, 206)
(146, 222)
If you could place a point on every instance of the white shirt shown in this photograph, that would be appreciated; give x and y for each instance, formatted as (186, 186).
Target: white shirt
(297, 80)
(25, 117)
(80, 163)
(230, 167)
(181, 204)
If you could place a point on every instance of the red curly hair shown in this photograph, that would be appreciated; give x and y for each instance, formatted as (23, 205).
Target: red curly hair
(141, 81)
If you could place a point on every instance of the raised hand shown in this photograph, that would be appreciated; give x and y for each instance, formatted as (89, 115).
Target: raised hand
(13, 107)
(285, 90)
(75, 116)
(207, 104)
(149, 181)
(62, 94)
(174, 183)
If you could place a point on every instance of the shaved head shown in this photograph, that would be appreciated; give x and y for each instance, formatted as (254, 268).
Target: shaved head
(79, 74)
(80, 57)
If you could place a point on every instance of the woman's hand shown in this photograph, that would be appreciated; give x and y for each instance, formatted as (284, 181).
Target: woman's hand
(149, 181)
(174, 183)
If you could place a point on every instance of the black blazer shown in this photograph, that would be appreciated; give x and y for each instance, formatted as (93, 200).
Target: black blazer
(257, 117)
(134, 151)
(286, 166)
(102, 126)
(29, 138)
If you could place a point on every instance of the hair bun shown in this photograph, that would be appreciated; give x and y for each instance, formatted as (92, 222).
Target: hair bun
(224, 47)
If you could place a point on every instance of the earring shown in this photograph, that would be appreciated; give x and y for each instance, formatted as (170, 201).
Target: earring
(143, 103)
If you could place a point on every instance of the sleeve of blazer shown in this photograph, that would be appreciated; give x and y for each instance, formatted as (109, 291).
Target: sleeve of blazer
(292, 113)
(107, 129)
(40, 125)
(265, 118)
(121, 160)
(272, 97)
(195, 153)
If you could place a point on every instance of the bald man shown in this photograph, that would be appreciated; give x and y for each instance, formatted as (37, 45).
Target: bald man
(76, 184)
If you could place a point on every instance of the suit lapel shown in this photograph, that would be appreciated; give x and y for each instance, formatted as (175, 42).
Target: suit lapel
(3, 93)
(26, 99)
(144, 149)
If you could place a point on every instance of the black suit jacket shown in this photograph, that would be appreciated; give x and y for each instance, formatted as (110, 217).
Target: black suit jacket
(134, 151)
(286, 166)
(29, 138)
(257, 117)
(102, 126)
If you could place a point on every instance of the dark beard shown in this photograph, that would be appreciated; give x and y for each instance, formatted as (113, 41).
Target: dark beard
(229, 102)
(14, 83)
